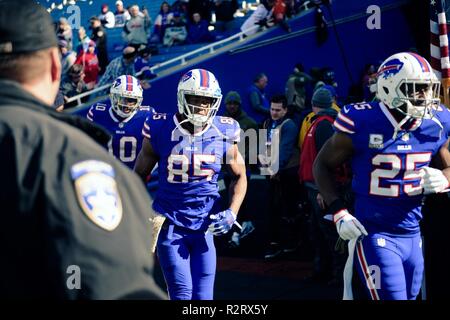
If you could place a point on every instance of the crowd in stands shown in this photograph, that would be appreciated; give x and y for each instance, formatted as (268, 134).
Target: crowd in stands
(182, 22)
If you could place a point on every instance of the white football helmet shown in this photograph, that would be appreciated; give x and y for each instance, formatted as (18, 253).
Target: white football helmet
(406, 82)
(126, 96)
(199, 83)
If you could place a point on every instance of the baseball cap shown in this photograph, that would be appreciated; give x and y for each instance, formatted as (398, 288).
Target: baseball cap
(29, 29)
(233, 96)
(119, 2)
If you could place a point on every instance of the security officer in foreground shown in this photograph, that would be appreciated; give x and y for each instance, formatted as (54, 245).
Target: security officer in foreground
(74, 221)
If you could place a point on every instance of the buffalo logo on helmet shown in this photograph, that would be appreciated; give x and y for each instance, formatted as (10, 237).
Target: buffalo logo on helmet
(117, 83)
(186, 76)
(390, 68)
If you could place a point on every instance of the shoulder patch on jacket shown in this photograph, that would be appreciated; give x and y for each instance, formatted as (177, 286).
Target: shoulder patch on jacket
(97, 193)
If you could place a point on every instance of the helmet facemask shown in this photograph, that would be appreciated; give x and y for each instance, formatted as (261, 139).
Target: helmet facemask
(418, 99)
(124, 105)
(199, 109)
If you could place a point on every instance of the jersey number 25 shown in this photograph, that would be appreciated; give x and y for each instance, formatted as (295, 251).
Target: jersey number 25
(395, 163)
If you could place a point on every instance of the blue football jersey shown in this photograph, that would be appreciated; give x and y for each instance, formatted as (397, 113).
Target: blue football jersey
(189, 166)
(385, 165)
(126, 134)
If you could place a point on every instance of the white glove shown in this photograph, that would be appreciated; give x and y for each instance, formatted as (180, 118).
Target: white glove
(433, 180)
(347, 226)
(222, 222)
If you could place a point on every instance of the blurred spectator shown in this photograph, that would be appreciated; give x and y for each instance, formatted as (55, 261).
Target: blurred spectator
(73, 84)
(89, 61)
(135, 31)
(328, 263)
(142, 66)
(234, 110)
(283, 184)
(83, 41)
(225, 10)
(233, 105)
(121, 15)
(64, 32)
(58, 105)
(279, 14)
(100, 37)
(176, 32)
(258, 105)
(107, 17)
(68, 57)
(181, 6)
(203, 7)
(296, 86)
(369, 80)
(262, 17)
(120, 66)
(162, 20)
(198, 30)
(328, 76)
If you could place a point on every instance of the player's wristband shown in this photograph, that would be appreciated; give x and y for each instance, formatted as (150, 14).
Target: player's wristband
(336, 206)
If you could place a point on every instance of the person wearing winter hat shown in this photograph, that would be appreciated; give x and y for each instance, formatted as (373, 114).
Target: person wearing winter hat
(308, 119)
(329, 263)
(233, 105)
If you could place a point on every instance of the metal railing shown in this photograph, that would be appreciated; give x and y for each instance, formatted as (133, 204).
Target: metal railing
(183, 59)
(180, 60)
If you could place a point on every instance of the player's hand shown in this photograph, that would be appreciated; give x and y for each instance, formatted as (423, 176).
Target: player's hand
(222, 222)
(433, 180)
(347, 226)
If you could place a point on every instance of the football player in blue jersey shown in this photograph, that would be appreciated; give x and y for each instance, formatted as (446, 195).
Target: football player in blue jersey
(190, 148)
(391, 145)
(123, 116)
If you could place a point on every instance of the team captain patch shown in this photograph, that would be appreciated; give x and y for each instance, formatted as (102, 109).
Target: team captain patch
(97, 193)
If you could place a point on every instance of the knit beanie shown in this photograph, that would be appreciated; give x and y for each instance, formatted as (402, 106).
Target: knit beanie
(322, 99)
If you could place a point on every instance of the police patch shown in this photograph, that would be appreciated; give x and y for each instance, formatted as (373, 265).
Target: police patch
(97, 193)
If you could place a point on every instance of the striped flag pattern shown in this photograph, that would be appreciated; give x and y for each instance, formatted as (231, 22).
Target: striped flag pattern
(438, 39)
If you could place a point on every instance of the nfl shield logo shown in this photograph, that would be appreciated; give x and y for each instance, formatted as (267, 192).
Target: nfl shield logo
(97, 193)
(381, 242)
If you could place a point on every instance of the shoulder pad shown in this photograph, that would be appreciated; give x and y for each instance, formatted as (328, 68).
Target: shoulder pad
(229, 127)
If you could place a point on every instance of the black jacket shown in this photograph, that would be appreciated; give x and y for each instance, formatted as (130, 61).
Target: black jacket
(48, 242)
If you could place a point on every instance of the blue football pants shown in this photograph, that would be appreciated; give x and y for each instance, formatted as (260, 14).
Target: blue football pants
(188, 262)
(390, 268)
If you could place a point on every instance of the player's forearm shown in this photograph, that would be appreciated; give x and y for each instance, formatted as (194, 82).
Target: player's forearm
(144, 166)
(238, 189)
(323, 176)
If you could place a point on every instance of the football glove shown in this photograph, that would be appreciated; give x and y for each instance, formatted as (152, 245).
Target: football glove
(433, 180)
(222, 222)
(347, 226)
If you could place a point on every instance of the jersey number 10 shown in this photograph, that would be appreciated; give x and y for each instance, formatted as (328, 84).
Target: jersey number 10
(125, 156)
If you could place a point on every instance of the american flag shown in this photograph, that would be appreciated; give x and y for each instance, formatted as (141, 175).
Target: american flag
(438, 39)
